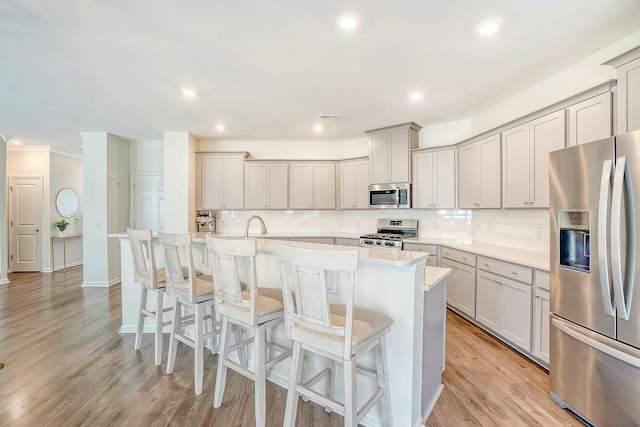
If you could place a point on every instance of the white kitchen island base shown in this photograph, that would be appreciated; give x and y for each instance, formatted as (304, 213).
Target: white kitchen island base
(390, 281)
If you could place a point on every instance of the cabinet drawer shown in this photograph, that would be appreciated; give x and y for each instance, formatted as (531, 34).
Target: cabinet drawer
(542, 280)
(419, 247)
(505, 269)
(459, 256)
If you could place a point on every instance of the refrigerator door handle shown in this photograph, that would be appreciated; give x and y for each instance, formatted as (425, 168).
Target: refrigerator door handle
(603, 233)
(600, 346)
(620, 179)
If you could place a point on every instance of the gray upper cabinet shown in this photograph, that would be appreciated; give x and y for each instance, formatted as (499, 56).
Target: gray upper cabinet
(628, 93)
(354, 184)
(389, 152)
(220, 180)
(434, 185)
(479, 174)
(525, 163)
(266, 185)
(590, 119)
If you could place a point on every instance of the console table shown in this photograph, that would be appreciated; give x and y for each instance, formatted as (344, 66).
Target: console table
(64, 249)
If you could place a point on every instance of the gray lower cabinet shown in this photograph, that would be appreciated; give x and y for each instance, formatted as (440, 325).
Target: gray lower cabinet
(461, 284)
(504, 304)
(344, 241)
(323, 240)
(432, 250)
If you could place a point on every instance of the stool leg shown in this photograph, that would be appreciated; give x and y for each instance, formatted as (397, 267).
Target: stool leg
(294, 378)
(141, 316)
(350, 401)
(381, 368)
(331, 382)
(241, 352)
(198, 357)
(159, 320)
(175, 324)
(260, 375)
(223, 354)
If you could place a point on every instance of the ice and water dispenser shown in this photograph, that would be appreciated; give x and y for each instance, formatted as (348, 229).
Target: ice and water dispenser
(575, 248)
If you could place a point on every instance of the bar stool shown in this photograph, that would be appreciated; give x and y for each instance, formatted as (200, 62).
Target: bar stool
(341, 333)
(151, 279)
(191, 290)
(256, 308)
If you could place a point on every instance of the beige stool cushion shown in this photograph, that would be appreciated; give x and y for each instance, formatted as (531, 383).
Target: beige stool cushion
(366, 323)
(269, 300)
(161, 274)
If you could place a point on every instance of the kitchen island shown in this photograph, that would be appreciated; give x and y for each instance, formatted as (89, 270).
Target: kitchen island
(390, 281)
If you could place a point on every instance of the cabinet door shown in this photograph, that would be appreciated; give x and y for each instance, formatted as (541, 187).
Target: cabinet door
(451, 281)
(541, 325)
(362, 184)
(324, 183)
(256, 190)
(301, 186)
(629, 96)
(515, 167)
(348, 185)
(468, 177)
(590, 119)
(490, 172)
(423, 185)
(399, 153)
(487, 293)
(546, 134)
(278, 186)
(515, 313)
(211, 179)
(444, 179)
(465, 291)
(233, 182)
(379, 157)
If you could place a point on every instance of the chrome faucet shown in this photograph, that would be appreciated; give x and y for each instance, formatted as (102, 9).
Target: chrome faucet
(246, 228)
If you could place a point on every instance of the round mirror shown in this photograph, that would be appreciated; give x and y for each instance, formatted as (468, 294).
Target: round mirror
(67, 203)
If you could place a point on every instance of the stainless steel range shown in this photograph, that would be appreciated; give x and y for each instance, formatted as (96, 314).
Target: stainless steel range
(390, 233)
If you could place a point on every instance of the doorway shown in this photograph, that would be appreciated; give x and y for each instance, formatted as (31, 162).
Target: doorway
(25, 223)
(148, 202)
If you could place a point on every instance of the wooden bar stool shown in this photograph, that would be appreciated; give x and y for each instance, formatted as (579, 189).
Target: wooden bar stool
(257, 309)
(341, 333)
(151, 279)
(191, 290)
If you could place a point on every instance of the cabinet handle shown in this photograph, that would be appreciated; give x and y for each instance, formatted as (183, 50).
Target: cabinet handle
(486, 265)
(464, 258)
(515, 273)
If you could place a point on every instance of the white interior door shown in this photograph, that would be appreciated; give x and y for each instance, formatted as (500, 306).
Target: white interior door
(25, 223)
(148, 202)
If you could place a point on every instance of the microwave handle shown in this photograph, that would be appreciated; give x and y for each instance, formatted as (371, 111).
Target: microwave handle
(397, 196)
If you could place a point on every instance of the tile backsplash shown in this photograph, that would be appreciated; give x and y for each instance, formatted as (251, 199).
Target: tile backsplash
(521, 228)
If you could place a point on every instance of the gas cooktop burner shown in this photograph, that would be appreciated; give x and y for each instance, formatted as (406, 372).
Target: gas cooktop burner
(390, 233)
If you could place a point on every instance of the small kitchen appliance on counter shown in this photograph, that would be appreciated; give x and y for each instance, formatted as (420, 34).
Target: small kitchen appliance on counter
(206, 221)
(390, 233)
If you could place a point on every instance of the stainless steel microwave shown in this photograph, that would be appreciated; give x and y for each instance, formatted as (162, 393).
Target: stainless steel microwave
(390, 195)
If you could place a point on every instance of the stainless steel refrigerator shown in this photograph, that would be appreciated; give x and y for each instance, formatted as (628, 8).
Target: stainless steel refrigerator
(595, 280)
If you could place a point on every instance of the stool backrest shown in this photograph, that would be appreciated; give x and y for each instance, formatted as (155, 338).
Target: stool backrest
(173, 244)
(227, 256)
(308, 273)
(144, 261)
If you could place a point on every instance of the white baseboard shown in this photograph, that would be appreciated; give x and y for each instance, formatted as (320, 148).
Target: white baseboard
(431, 405)
(95, 284)
(4, 281)
(115, 281)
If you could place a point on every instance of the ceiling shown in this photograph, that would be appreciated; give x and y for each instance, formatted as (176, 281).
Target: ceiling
(268, 69)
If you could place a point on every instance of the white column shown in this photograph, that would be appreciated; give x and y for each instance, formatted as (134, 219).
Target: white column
(106, 205)
(180, 181)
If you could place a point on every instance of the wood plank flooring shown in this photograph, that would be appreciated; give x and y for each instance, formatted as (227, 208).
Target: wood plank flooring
(67, 365)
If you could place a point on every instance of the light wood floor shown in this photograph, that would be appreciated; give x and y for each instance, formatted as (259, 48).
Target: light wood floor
(67, 365)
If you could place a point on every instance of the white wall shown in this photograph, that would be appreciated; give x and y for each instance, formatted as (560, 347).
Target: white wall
(4, 232)
(118, 176)
(288, 150)
(66, 172)
(147, 157)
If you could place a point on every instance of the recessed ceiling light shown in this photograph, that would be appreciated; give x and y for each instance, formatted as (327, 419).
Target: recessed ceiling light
(416, 96)
(220, 127)
(318, 128)
(191, 93)
(348, 21)
(488, 27)
(17, 142)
